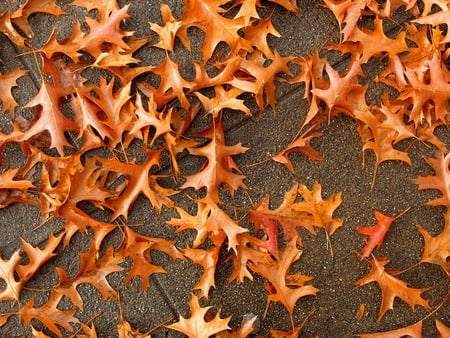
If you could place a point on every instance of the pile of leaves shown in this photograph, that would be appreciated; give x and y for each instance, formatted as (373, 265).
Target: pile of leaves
(100, 130)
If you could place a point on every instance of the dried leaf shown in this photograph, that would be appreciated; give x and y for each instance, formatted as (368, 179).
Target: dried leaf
(196, 326)
(392, 287)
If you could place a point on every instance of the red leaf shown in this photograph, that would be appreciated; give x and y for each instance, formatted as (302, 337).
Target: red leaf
(376, 233)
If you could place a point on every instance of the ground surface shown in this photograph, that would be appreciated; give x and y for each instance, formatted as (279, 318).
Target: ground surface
(341, 171)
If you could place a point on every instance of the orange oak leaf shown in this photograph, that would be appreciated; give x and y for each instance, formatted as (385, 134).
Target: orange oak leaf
(376, 233)
(347, 14)
(302, 145)
(249, 322)
(125, 330)
(172, 84)
(37, 257)
(93, 271)
(284, 287)
(247, 10)
(286, 216)
(293, 333)
(207, 259)
(443, 330)
(342, 93)
(139, 180)
(209, 220)
(250, 249)
(87, 331)
(437, 249)
(104, 7)
(8, 180)
(115, 107)
(428, 4)
(436, 19)
(49, 315)
(65, 184)
(9, 80)
(21, 16)
(432, 74)
(138, 247)
(107, 30)
(379, 139)
(440, 181)
(7, 268)
(223, 99)
(374, 42)
(150, 118)
(38, 334)
(260, 79)
(168, 31)
(290, 5)
(413, 331)
(312, 212)
(48, 115)
(206, 16)
(320, 212)
(219, 167)
(196, 326)
(391, 288)
(258, 33)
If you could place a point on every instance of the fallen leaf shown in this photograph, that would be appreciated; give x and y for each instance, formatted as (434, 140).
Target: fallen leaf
(391, 288)
(437, 249)
(49, 315)
(196, 326)
(7, 269)
(440, 181)
(376, 233)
